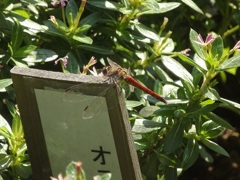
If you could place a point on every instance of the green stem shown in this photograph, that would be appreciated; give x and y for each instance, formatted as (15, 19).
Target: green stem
(63, 16)
(80, 11)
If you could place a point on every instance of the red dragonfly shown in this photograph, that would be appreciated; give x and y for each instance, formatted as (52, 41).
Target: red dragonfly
(117, 72)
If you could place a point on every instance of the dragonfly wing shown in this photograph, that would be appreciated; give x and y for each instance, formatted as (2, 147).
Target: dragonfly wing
(73, 94)
(93, 108)
(113, 64)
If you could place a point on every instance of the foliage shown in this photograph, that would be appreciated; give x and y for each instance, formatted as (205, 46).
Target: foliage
(169, 138)
(74, 171)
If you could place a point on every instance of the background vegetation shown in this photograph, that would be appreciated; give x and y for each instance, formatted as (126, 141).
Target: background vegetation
(149, 37)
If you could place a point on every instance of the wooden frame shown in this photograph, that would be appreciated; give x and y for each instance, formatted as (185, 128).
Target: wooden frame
(27, 83)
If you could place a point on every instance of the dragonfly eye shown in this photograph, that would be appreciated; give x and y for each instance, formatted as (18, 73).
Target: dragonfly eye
(105, 70)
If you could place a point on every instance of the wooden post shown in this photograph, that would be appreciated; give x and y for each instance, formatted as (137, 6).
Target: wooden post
(52, 105)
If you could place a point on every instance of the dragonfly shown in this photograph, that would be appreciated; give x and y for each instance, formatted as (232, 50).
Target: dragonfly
(115, 73)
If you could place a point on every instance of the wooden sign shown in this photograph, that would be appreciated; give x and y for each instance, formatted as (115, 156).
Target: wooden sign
(69, 117)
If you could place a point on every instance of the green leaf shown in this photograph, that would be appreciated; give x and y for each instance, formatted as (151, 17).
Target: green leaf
(11, 107)
(52, 30)
(177, 69)
(165, 111)
(24, 170)
(24, 51)
(219, 120)
(146, 31)
(231, 103)
(161, 74)
(106, 176)
(148, 111)
(4, 123)
(97, 49)
(17, 35)
(193, 36)
(91, 19)
(191, 62)
(169, 160)
(32, 26)
(205, 155)
(170, 173)
(17, 128)
(217, 48)
(191, 153)
(145, 126)
(72, 65)
(152, 7)
(107, 5)
(71, 12)
(40, 55)
(5, 83)
(203, 108)
(5, 4)
(132, 104)
(230, 63)
(174, 137)
(214, 146)
(83, 39)
(5, 161)
(200, 62)
(192, 5)
(211, 129)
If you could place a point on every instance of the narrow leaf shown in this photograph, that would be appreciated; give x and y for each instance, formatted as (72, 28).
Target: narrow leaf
(97, 49)
(191, 62)
(217, 48)
(152, 7)
(71, 12)
(145, 126)
(174, 138)
(147, 32)
(230, 63)
(177, 69)
(83, 39)
(5, 83)
(148, 111)
(219, 120)
(215, 147)
(192, 5)
(41, 55)
(191, 153)
(193, 36)
(17, 35)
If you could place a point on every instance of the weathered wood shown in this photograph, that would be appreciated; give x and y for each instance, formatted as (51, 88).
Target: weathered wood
(28, 83)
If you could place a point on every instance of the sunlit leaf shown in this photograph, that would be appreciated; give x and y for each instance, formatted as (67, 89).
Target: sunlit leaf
(230, 63)
(192, 5)
(146, 31)
(145, 126)
(152, 7)
(177, 69)
(41, 55)
(193, 36)
(217, 48)
(214, 146)
(210, 129)
(5, 83)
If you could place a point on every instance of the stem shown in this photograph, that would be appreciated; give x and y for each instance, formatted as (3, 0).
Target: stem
(63, 15)
(209, 76)
(80, 11)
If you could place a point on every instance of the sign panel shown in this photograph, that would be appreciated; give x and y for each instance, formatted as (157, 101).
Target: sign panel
(88, 124)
